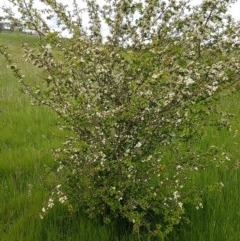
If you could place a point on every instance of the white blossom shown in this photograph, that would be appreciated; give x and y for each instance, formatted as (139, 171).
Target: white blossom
(189, 81)
(138, 145)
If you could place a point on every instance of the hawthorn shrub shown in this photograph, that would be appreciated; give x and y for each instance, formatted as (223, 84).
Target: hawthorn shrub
(134, 87)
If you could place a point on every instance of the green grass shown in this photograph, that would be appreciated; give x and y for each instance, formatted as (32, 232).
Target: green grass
(219, 220)
(27, 136)
(29, 133)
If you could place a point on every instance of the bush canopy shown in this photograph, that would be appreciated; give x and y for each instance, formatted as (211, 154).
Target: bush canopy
(134, 88)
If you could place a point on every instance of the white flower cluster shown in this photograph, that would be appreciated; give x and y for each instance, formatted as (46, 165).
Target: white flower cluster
(200, 205)
(51, 201)
(49, 205)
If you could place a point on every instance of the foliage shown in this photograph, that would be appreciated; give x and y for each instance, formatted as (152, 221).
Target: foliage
(133, 101)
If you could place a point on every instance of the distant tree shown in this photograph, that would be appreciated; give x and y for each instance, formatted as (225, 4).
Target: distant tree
(1, 27)
(134, 99)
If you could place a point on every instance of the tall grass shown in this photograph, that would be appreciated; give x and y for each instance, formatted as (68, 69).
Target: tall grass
(29, 133)
(219, 220)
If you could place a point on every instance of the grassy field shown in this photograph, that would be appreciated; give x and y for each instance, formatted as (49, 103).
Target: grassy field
(29, 133)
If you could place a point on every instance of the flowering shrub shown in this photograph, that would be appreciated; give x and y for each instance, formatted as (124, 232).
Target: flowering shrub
(133, 99)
